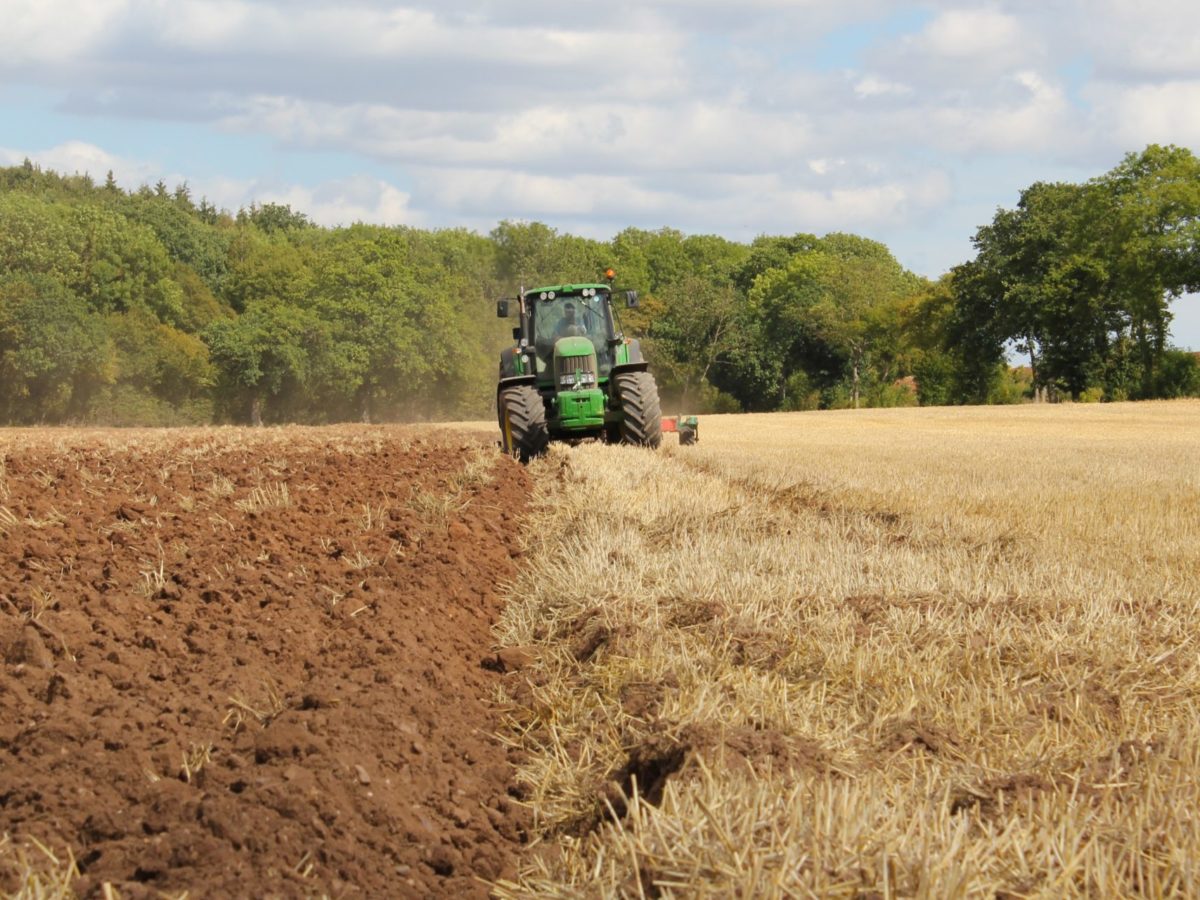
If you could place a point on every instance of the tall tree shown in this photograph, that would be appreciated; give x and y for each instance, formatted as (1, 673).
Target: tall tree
(700, 328)
(265, 357)
(1148, 223)
(1075, 271)
(824, 311)
(530, 254)
(364, 290)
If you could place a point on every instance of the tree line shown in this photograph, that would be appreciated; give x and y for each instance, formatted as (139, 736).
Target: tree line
(147, 307)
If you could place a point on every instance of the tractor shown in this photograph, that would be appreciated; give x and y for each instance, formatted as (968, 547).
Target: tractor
(572, 374)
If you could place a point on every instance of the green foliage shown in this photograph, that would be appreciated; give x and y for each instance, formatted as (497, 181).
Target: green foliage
(934, 373)
(159, 360)
(768, 253)
(146, 307)
(266, 358)
(200, 307)
(53, 350)
(1179, 374)
(1081, 277)
(123, 405)
(187, 238)
(264, 267)
(530, 254)
(834, 311)
(922, 329)
(274, 218)
(698, 328)
(888, 394)
(39, 238)
(1009, 385)
(124, 267)
(799, 393)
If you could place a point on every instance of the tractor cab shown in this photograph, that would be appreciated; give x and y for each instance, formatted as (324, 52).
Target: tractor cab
(584, 313)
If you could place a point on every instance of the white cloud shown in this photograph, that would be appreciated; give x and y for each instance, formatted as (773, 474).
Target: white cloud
(1163, 113)
(1147, 40)
(872, 86)
(1034, 116)
(962, 51)
(353, 52)
(587, 137)
(217, 24)
(55, 31)
(346, 201)
(973, 34)
(739, 205)
(334, 203)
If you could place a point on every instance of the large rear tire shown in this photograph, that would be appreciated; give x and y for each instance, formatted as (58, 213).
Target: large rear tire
(641, 422)
(523, 431)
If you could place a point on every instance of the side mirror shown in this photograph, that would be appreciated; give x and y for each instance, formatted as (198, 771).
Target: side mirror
(631, 299)
(501, 309)
(517, 333)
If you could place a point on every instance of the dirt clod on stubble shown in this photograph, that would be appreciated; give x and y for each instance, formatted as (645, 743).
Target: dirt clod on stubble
(248, 664)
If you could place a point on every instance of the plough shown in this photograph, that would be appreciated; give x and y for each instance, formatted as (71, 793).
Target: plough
(687, 427)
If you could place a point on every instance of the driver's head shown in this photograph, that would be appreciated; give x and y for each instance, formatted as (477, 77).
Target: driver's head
(569, 312)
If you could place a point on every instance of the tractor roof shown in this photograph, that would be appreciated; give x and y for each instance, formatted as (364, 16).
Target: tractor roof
(567, 288)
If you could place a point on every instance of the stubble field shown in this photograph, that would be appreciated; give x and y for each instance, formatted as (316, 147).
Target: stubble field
(924, 653)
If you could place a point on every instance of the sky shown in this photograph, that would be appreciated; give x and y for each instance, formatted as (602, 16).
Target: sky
(909, 123)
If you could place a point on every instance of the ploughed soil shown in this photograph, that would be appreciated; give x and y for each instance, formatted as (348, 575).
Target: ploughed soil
(248, 663)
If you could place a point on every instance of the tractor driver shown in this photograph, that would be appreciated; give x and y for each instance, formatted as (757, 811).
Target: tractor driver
(568, 326)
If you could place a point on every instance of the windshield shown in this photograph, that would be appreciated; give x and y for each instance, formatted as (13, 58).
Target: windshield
(571, 316)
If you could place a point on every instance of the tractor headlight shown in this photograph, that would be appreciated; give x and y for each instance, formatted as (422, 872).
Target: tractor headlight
(571, 379)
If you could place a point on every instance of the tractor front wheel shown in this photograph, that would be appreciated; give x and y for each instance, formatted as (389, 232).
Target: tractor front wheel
(641, 412)
(523, 431)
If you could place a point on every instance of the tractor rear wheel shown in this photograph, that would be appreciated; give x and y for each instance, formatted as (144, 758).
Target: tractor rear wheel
(523, 431)
(641, 421)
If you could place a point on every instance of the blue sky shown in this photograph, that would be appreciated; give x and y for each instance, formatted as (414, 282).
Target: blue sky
(906, 122)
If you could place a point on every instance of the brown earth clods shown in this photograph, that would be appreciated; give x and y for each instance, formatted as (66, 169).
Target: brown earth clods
(248, 663)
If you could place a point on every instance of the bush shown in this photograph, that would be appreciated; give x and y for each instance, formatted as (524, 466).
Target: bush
(1180, 374)
(799, 393)
(902, 392)
(1012, 386)
(711, 400)
(125, 406)
(935, 379)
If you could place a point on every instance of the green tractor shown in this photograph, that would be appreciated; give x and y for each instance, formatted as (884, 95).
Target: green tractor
(572, 374)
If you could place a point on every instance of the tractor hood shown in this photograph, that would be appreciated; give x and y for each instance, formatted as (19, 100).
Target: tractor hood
(573, 346)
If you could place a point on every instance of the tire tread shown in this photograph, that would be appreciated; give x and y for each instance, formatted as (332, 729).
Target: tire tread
(527, 419)
(641, 423)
